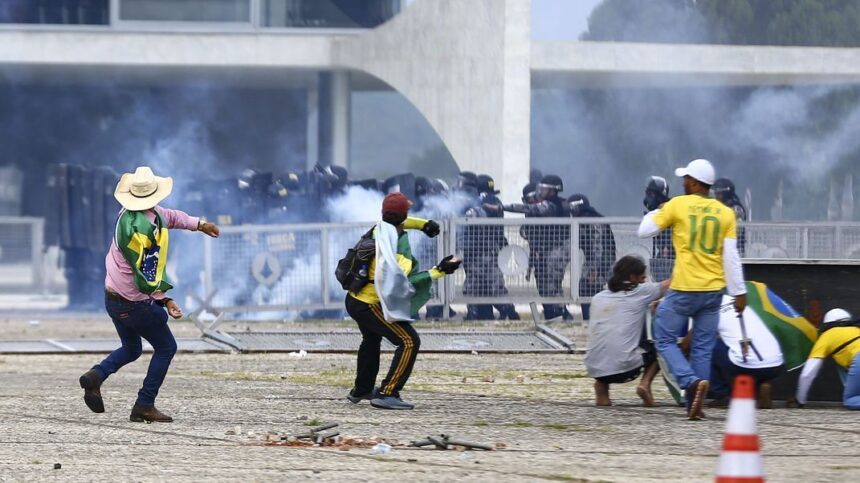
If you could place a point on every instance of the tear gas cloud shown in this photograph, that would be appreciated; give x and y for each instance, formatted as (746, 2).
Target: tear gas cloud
(607, 142)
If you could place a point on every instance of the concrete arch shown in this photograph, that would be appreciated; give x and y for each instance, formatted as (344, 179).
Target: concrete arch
(465, 65)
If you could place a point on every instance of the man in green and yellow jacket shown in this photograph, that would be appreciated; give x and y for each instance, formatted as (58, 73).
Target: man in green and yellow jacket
(387, 305)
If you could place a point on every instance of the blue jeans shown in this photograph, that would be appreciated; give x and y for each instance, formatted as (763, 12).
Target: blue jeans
(724, 371)
(851, 396)
(671, 323)
(134, 320)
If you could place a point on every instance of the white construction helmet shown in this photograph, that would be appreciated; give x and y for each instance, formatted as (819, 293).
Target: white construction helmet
(836, 315)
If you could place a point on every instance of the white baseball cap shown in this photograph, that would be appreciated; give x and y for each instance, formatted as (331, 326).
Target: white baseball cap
(698, 169)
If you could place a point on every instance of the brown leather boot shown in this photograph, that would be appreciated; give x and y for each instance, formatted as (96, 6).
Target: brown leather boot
(92, 383)
(141, 414)
(765, 396)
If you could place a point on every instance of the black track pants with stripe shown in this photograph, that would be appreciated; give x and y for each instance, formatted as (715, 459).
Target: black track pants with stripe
(374, 327)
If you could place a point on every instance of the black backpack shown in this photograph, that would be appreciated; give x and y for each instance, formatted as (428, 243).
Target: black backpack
(352, 269)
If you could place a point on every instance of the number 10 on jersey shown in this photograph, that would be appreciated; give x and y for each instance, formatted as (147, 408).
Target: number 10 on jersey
(704, 233)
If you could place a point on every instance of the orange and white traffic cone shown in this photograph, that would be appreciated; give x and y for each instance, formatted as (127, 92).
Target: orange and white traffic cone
(740, 460)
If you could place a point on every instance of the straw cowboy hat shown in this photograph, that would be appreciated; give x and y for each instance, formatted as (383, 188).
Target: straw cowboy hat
(142, 190)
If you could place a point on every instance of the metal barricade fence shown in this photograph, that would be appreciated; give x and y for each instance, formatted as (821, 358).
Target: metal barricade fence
(265, 268)
(545, 260)
(505, 261)
(21, 254)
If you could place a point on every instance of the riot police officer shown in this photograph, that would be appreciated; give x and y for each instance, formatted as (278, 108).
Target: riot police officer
(254, 196)
(481, 245)
(530, 193)
(663, 253)
(471, 243)
(598, 246)
(724, 191)
(438, 195)
(466, 195)
(76, 253)
(422, 191)
(549, 243)
(319, 184)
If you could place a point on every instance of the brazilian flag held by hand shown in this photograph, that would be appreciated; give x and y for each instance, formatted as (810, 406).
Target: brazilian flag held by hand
(794, 333)
(791, 330)
(144, 245)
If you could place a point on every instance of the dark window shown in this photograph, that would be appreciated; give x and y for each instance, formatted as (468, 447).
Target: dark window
(186, 10)
(63, 12)
(328, 13)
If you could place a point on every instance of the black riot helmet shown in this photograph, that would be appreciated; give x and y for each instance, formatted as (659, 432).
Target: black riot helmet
(467, 179)
(422, 186)
(656, 193)
(438, 186)
(342, 175)
(723, 189)
(246, 178)
(550, 185)
(255, 181)
(578, 204)
(486, 184)
(529, 194)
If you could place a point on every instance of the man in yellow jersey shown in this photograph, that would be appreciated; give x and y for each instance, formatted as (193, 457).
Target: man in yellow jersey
(840, 339)
(706, 262)
(385, 307)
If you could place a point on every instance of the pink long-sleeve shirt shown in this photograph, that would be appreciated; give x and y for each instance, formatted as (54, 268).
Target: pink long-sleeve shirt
(120, 277)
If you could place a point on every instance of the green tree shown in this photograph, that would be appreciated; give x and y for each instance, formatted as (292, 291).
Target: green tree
(668, 21)
(751, 22)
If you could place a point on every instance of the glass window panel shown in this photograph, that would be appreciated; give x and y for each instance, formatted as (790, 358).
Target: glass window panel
(186, 10)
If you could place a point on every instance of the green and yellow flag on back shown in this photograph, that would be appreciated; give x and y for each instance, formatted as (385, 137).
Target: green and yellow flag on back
(144, 244)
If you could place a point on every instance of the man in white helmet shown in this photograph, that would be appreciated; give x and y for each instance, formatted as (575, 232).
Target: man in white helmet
(839, 338)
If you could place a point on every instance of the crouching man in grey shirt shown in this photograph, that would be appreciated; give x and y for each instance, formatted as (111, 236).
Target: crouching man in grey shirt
(618, 351)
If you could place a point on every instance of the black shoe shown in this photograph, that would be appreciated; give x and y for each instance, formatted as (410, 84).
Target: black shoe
(357, 398)
(390, 402)
(92, 383)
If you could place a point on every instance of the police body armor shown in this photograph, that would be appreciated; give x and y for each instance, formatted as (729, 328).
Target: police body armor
(79, 208)
(55, 191)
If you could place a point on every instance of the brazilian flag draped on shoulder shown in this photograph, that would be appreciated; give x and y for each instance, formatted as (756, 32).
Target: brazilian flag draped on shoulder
(400, 294)
(144, 244)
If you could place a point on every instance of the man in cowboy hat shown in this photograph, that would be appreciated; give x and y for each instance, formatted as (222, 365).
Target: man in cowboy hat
(135, 288)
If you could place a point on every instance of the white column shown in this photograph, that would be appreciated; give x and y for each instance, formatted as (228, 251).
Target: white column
(313, 125)
(341, 109)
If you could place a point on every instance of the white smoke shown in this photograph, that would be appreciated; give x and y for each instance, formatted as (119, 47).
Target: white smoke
(356, 204)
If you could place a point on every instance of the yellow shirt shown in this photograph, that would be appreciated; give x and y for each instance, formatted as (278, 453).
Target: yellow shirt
(831, 339)
(368, 293)
(699, 225)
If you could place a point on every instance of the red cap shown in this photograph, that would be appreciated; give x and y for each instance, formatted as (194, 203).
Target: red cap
(396, 203)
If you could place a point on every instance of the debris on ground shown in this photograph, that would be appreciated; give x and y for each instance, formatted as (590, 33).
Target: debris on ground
(444, 441)
(381, 448)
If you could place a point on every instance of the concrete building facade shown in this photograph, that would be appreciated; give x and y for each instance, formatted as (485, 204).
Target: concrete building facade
(469, 68)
